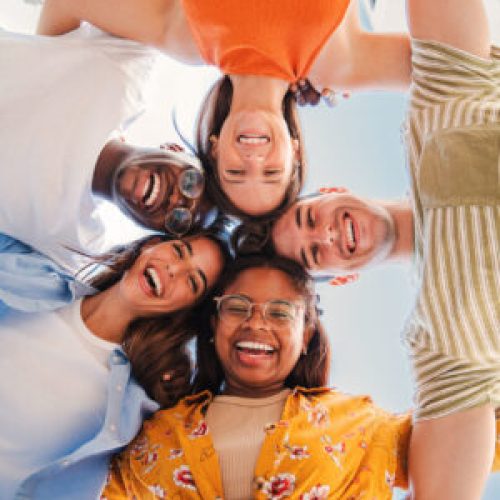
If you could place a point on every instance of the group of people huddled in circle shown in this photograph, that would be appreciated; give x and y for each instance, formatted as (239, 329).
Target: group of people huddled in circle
(102, 395)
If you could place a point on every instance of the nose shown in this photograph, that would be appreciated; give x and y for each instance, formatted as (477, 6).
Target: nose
(327, 235)
(253, 160)
(179, 267)
(256, 320)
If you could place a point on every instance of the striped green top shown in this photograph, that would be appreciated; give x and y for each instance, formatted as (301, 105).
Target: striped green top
(453, 145)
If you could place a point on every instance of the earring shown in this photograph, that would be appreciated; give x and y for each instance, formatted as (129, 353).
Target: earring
(211, 340)
(344, 280)
(330, 96)
(304, 350)
(327, 190)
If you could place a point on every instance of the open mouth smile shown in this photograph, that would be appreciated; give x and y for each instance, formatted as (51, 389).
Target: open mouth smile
(255, 348)
(253, 140)
(350, 231)
(151, 190)
(153, 281)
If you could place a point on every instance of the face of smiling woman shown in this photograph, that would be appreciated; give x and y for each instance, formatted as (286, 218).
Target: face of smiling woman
(257, 355)
(255, 155)
(171, 275)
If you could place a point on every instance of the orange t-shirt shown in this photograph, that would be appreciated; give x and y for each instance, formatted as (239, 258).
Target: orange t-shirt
(278, 38)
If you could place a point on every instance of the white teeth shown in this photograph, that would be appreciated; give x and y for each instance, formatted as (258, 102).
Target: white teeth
(253, 140)
(154, 280)
(349, 229)
(247, 344)
(153, 189)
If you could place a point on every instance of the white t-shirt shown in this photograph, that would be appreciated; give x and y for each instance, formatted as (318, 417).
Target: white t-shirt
(53, 390)
(61, 100)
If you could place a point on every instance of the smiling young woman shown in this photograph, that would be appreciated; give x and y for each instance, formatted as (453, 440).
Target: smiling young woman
(261, 423)
(79, 368)
(248, 135)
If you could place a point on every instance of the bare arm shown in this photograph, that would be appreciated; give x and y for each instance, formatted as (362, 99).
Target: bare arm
(451, 457)
(357, 59)
(160, 23)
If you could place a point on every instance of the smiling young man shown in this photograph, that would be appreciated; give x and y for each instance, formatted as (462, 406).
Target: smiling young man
(64, 101)
(452, 228)
(341, 232)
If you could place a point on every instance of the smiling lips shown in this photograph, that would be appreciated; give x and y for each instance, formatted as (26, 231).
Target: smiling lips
(253, 140)
(350, 232)
(151, 189)
(254, 348)
(153, 280)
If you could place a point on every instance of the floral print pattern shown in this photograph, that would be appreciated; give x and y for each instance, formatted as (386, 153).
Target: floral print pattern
(326, 445)
(200, 430)
(175, 453)
(158, 491)
(183, 477)
(318, 492)
(280, 486)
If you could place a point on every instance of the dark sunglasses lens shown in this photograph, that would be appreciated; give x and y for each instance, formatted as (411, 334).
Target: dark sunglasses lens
(192, 183)
(178, 221)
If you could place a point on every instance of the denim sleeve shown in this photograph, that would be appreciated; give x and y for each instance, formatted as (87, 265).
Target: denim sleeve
(30, 281)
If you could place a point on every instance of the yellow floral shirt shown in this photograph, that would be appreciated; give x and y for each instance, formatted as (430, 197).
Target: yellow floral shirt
(326, 445)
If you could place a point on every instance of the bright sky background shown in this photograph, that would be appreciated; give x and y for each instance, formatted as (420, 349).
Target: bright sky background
(356, 145)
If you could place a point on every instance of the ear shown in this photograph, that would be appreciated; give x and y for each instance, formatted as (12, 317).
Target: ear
(214, 149)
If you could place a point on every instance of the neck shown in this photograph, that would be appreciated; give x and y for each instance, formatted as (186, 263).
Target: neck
(110, 158)
(258, 92)
(235, 389)
(402, 215)
(105, 316)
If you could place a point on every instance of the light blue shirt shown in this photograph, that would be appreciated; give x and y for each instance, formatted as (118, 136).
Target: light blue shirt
(81, 471)
(31, 282)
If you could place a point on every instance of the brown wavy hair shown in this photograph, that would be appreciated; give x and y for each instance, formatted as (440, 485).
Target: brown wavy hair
(311, 370)
(211, 117)
(157, 347)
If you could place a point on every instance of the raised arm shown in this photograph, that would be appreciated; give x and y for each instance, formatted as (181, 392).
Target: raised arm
(159, 23)
(357, 59)
(450, 456)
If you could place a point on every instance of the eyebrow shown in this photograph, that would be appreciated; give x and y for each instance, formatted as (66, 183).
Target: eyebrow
(203, 276)
(229, 181)
(204, 279)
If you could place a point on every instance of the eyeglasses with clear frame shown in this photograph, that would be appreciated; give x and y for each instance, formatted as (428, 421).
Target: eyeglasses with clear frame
(191, 184)
(236, 309)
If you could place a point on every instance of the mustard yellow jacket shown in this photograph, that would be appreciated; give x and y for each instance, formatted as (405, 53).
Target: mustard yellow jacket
(326, 445)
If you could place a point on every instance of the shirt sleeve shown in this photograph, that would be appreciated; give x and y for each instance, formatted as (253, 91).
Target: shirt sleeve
(122, 481)
(30, 281)
(399, 426)
(442, 74)
(393, 436)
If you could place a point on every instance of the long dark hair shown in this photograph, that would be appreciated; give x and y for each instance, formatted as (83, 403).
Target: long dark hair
(311, 370)
(211, 118)
(156, 346)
